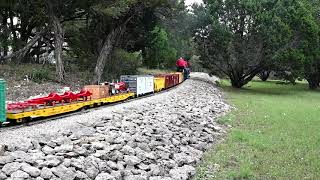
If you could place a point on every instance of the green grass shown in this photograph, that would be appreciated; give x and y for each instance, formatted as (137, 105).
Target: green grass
(275, 134)
(153, 71)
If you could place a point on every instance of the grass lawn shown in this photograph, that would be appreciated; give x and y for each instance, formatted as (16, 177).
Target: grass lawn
(275, 134)
(153, 71)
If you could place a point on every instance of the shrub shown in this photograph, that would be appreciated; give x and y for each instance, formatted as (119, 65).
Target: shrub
(122, 62)
(40, 75)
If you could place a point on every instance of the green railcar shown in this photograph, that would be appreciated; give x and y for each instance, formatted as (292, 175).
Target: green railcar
(2, 100)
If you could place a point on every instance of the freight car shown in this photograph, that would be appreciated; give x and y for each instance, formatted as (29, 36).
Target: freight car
(159, 84)
(2, 101)
(139, 84)
(89, 97)
(170, 80)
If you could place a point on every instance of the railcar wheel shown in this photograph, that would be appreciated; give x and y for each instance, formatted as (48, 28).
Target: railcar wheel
(85, 108)
(23, 120)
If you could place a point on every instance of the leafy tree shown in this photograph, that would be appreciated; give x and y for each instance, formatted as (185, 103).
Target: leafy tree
(21, 35)
(159, 53)
(232, 42)
(310, 46)
(303, 60)
(90, 34)
(105, 27)
(246, 38)
(38, 29)
(179, 27)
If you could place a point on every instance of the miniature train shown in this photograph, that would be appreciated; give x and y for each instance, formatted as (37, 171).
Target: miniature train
(130, 86)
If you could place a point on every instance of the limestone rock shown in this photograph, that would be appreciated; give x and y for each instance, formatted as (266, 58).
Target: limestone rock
(46, 173)
(81, 175)
(113, 165)
(183, 173)
(25, 146)
(156, 170)
(160, 178)
(131, 160)
(92, 172)
(19, 175)
(63, 172)
(66, 162)
(2, 149)
(51, 163)
(6, 159)
(128, 150)
(143, 167)
(182, 159)
(48, 150)
(3, 176)
(135, 177)
(64, 148)
(105, 176)
(117, 175)
(34, 172)
(9, 168)
(98, 145)
(19, 155)
(77, 163)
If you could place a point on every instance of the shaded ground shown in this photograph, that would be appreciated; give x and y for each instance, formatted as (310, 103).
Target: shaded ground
(20, 85)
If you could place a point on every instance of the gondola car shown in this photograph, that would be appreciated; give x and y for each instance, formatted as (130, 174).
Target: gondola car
(90, 96)
(159, 84)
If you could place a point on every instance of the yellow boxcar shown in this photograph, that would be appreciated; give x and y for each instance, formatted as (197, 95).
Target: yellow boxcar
(159, 83)
(180, 76)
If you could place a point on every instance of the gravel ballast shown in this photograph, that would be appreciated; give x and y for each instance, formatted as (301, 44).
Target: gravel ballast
(158, 137)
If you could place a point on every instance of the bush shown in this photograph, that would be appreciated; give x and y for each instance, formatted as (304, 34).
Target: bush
(40, 75)
(121, 63)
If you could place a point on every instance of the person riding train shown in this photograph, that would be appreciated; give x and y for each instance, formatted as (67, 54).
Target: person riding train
(188, 69)
(183, 66)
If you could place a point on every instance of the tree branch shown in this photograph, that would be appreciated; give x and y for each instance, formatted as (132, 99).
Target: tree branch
(23, 51)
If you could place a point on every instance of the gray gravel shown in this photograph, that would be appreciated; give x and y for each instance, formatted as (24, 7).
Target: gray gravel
(158, 137)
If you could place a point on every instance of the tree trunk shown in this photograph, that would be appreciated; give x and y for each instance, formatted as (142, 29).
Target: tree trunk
(104, 55)
(58, 44)
(106, 51)
(236, 83)
(313, 84)
(238, 80)
(313, 80)
(5, 33)
(20, 54)
(264, 76)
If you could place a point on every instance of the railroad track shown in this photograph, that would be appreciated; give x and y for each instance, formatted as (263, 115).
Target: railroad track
(44, 120)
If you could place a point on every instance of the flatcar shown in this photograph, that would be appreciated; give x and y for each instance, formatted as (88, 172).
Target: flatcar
(90, 96)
